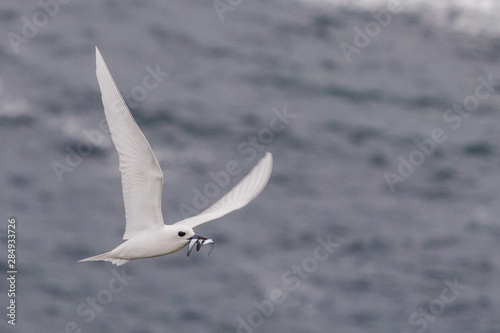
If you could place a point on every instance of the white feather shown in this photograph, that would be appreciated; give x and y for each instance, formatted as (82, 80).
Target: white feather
(142, 178)
(248, 188)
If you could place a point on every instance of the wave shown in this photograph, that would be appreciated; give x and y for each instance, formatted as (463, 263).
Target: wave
(467, 16)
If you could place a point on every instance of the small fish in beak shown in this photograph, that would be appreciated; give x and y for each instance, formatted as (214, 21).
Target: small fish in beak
(199, 242)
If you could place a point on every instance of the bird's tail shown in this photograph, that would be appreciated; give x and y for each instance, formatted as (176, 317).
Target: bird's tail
(106, 257)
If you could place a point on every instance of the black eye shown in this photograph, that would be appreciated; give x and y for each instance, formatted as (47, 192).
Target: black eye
(181, 233)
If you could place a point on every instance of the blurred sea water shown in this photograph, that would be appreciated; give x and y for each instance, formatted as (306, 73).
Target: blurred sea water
(381, 214)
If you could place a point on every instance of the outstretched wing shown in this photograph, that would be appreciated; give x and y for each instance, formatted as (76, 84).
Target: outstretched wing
(142, 178)
(239, 196)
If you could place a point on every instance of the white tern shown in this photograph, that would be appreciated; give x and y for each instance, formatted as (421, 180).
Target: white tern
(146, 235)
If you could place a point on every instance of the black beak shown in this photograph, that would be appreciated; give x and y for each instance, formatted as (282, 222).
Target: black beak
(199, 241)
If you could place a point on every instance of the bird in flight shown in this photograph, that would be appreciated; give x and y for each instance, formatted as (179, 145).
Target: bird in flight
(146, 235)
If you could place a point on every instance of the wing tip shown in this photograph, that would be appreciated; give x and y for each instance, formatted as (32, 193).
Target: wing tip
(269, 159)
(97, 53)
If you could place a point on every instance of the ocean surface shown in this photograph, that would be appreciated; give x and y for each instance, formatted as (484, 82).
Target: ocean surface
(382, 212)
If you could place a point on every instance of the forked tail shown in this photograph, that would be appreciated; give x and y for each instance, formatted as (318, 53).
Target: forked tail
(106, 257)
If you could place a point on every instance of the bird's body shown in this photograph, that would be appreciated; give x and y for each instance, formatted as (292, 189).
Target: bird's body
(146, 234)
(149, 243)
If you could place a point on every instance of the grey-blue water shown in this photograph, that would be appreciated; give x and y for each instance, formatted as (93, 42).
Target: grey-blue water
(382, 212)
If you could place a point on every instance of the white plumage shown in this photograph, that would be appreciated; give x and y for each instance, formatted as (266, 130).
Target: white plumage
(146, 234)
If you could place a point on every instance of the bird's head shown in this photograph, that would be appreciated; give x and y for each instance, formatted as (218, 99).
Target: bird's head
(186, 233)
